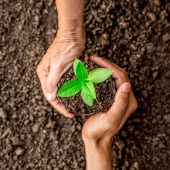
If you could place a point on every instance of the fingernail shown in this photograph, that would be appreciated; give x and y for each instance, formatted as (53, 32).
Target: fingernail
(126, 87)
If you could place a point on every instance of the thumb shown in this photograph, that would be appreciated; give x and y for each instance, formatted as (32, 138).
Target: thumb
(119, 107)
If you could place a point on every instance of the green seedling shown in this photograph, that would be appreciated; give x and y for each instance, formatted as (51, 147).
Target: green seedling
(84, 83)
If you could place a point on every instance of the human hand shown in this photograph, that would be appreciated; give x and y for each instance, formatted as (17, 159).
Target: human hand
(104, 125)
(66, 47)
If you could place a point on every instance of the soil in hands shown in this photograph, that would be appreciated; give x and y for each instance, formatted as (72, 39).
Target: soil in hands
(105, 93)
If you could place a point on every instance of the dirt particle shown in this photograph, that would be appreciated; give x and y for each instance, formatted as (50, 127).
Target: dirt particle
(152, 16)
(36, 127)
(2, 114)
(120, 144)
(19, 151)
(166, 37)
(50, 124)
(145, 93)
(150, 47)
(73, 128)
(136, 165)
(155, 74)
(78, 127)
(167, 118)
(157, 2)
(103, 6)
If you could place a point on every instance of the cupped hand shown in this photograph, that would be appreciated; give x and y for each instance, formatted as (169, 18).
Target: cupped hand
(66, 47)
(104, 125)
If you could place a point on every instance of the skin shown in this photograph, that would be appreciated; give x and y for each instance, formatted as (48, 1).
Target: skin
(99, 129)
(66, 47)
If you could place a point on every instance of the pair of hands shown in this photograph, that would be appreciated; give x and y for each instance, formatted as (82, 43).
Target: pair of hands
(59, 57)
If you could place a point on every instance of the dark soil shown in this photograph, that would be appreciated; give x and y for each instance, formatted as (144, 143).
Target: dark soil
(133, 34)
(105, 93)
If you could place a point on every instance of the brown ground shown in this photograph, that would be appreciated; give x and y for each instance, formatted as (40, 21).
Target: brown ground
(133, 34)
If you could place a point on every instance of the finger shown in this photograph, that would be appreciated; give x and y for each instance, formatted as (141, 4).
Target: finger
(101, 61)
(119, 107)
(132, 107)
(119, 74)
(51, 97)
(60, 108)
(55, 102)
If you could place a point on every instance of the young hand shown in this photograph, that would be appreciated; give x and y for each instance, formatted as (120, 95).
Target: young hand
(99, 129)
(104, 125)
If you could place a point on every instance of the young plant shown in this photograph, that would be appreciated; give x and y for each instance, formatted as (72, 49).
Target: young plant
(84, 82)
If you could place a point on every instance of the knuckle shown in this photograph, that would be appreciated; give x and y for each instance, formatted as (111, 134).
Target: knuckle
(88, 133)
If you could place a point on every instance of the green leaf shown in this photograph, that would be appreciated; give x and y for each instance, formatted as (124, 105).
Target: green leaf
(76, 61)
(91, 87)
(80, 70)
(69, 89)
(99, 75)
(86, 89)
(86, 98)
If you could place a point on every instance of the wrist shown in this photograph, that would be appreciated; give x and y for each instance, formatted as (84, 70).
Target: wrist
(98, 155)
(71, 32)
(98, 144)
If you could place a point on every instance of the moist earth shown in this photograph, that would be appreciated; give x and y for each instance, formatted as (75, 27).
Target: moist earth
(105, 93)
(134, 35)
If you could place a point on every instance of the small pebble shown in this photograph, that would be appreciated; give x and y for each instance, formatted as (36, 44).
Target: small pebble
(155, 74)
(2, 114)
(103, 7)
(50, 124)
(166, 37)
(36, 127)
(72, 128)
(19, 151)
(78, 127)
(157, 2)
(167, 118)
(145, 93)
(151, 16)
(136, 165)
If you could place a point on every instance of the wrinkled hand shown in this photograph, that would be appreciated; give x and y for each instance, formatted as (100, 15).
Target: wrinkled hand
(66, 47)
(104, 125)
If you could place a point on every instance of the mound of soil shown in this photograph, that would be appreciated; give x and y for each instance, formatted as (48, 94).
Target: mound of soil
(105, 93)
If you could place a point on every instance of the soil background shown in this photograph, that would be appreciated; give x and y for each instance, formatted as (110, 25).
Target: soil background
(133, 34)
